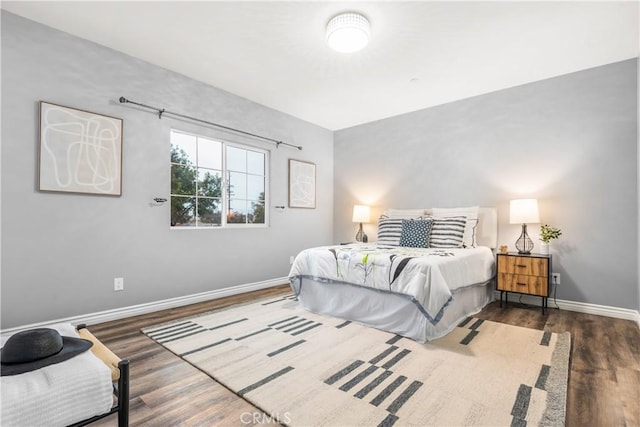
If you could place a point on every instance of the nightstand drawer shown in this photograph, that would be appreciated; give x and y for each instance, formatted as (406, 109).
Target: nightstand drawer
(533, 285)
(524, 266)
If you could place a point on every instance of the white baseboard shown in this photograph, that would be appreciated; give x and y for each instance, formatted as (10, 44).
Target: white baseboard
(637, 319)
(135, 310)
(580, 307)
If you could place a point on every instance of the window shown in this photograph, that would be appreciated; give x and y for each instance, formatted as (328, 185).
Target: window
(216, 183)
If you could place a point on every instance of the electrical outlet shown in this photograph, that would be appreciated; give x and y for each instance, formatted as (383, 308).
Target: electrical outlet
(291, 258)
(555, 277)
(118, 284)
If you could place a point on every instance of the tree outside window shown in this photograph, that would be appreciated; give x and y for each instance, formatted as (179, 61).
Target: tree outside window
(201, 168)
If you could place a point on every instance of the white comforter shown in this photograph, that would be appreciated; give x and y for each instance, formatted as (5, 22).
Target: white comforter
(57, 395)
(430, 277)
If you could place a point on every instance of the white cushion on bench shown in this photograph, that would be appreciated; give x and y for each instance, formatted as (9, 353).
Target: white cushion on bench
(57, 395)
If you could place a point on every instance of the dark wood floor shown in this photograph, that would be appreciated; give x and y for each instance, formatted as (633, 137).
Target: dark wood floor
(604, 375)
(604, 378)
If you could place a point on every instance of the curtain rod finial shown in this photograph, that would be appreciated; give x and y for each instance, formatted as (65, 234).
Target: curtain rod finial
(122, 99)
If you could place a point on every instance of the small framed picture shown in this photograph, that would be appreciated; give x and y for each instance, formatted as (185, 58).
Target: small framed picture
(79, 152)
(302, 184)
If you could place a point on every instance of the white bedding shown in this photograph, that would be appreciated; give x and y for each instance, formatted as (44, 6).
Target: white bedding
(429, 277)
(57, 395)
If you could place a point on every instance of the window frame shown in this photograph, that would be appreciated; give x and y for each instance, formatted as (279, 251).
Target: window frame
(224, 193)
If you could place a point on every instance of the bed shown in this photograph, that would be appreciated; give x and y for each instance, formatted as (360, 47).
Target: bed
(420, 293)
(76, 392)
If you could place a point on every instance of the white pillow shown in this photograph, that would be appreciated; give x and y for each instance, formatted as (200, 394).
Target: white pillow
(469, 239)
(406, 213)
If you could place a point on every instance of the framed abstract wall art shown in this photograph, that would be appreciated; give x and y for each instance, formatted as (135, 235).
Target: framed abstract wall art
(302, 184)
(79, 151)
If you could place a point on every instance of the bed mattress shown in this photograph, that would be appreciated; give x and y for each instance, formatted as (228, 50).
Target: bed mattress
(391, 312)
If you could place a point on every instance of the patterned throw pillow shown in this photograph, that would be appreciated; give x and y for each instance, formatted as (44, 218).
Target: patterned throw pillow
(389, 231)
(415, 233)
(447, 232)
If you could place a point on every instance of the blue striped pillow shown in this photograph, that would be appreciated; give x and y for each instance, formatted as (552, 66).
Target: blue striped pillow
(389, 231)
(447, 232)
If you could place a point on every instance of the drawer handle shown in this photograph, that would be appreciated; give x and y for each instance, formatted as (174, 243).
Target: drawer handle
(521, 284)
(521, 266)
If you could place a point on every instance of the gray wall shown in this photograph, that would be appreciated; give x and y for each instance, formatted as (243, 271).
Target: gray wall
(61, 252)
(570, 142)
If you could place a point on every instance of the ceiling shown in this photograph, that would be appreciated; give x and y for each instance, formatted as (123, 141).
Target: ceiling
(421, 54)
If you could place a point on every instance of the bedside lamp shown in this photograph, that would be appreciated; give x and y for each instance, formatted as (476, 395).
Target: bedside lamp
(523, 211)
(361, 214)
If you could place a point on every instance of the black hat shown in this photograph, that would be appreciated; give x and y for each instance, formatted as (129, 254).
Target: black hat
(36, 348)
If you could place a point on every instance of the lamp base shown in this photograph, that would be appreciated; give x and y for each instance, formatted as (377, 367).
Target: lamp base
(361, 236)
(524, 244)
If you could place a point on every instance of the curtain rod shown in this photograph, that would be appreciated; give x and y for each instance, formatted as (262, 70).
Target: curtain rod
(162, 111)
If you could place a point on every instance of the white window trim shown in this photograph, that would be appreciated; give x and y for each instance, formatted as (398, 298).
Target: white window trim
(226, 199)
(225, 196)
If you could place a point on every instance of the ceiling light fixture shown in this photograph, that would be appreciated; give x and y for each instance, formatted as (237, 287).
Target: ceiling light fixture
(348, 32)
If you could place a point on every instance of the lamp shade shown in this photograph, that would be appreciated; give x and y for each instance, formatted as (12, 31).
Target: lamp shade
(348, 32)
(361, 213)
(524, 211)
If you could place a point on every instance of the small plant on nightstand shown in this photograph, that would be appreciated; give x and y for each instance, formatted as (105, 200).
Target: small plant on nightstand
(548, 233)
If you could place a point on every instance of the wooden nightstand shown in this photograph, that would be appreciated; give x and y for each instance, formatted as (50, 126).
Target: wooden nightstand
(524, 274)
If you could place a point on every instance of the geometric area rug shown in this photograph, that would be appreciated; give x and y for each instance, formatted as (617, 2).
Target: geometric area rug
(305, 369)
